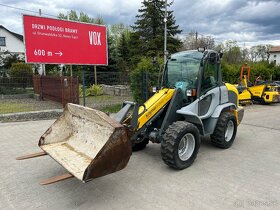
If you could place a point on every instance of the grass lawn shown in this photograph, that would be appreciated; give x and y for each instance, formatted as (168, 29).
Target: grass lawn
(112, 108)
(14, 107)
(98, 98)
(106, 102)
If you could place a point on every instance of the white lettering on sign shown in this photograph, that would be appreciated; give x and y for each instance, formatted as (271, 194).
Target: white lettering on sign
(94, 38)
(38, 26)
(71, 30)
(39, 52)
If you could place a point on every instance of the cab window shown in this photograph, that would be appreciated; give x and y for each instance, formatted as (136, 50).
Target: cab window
(210, 78)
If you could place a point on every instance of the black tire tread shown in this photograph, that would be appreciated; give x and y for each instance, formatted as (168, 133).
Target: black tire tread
(140, 146)
(218, 138)
(167, 145)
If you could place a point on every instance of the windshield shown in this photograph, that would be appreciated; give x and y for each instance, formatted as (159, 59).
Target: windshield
(182, 69)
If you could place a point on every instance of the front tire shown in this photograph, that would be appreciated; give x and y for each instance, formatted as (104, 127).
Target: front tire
(140, 145)
(225, 131)
(180, 145)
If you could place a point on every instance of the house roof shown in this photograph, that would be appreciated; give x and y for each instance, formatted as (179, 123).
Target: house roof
(275, 49)
(20, 37)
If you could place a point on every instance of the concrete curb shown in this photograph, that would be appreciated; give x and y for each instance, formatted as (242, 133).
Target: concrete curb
(35, 115)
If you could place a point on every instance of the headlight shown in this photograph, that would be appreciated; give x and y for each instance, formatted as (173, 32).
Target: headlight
(188, 92)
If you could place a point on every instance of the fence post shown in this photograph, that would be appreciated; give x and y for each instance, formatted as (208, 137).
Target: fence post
(62, 91)
(41, 87)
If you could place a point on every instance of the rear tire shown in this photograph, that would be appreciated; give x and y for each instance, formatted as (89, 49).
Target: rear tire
(225, 131)
(140, 145)
(180, 145)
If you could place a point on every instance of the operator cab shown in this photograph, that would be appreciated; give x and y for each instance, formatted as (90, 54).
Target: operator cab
(194, 72)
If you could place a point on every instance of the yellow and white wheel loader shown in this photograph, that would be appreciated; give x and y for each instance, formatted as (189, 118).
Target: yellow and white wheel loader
(191, 102)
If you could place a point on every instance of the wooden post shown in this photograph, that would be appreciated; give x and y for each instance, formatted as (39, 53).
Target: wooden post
(84, 88)
(95, 76)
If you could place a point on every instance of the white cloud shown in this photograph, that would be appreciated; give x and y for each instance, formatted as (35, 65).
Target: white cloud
(252, 21)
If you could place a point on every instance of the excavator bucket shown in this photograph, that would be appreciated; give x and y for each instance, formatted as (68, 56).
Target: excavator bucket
(87, 142)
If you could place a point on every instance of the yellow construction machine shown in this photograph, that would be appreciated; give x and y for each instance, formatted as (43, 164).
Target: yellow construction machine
(263, 93)
(192, 101)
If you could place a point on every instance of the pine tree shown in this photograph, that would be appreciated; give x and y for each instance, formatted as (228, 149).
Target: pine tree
(123, 53)
(149, 27)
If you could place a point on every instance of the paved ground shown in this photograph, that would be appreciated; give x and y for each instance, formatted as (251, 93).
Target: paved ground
(246, 176)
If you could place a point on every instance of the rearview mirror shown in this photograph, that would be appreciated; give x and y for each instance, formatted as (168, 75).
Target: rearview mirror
(212, 57)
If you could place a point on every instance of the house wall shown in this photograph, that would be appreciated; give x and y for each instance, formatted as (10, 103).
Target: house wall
(13, 44)
(274, 56)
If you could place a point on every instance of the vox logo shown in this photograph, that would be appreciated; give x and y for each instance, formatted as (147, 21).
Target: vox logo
(94, 38)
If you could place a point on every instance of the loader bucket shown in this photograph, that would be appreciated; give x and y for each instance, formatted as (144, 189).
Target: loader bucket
(87, 142)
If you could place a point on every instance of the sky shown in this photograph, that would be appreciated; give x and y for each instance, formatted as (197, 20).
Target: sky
(249, 22)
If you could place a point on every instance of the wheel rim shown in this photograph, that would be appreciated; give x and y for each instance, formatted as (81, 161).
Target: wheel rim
(186, 146)
(229, 131)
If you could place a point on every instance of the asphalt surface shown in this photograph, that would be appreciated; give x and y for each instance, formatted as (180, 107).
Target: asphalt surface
(246, 176)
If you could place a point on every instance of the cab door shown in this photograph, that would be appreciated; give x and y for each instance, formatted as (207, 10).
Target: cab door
(210, 82)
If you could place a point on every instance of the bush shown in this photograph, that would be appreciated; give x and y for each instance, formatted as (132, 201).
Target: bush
(94, 90)
(231, 73)
(145, 70)
(21, 74)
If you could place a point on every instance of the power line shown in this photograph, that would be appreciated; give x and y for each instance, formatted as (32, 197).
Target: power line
(26, 10)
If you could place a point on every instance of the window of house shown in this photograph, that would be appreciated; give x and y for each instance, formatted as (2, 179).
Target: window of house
(2, 41)
(275, 56)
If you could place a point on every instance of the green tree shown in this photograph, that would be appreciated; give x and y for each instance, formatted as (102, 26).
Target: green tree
(118, 37)
(145, 69)
(123, 53)
(82, 17)
(232, 52)
(259, 52)
(193, 40)
(149, 28)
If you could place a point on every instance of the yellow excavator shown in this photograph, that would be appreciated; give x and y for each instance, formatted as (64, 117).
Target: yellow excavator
(191, 102)
(261, 93)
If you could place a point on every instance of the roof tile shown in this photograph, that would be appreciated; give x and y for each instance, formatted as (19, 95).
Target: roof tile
(275, 49)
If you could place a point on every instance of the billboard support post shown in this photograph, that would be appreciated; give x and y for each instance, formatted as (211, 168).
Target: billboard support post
(71, 69)
(84, 88)
(95, 76)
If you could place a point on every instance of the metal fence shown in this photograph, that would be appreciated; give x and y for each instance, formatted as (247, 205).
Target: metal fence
(59, 89)
(25, 94)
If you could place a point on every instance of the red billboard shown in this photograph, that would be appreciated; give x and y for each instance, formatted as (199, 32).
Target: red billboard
(64, 42)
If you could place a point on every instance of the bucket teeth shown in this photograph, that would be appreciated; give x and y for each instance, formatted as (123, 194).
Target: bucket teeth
(56, 179)
(33, 155)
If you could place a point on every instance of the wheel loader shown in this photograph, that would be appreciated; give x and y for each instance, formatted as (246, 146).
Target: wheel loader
(263, 93)
(191, 102)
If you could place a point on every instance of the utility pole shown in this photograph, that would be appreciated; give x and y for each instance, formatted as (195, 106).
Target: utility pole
(196, 40)
(165, 33)
(71, 69)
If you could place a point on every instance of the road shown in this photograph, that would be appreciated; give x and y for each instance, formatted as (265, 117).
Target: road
(246, 176)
